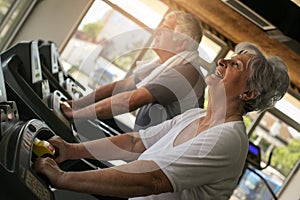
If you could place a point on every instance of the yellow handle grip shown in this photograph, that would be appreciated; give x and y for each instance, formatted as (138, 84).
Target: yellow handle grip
(43, 148)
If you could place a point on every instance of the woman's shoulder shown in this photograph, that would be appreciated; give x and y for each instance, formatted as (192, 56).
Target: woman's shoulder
(196, 112)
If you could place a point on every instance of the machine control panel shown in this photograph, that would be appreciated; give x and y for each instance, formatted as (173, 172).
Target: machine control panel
(17, 156)
(36, 186)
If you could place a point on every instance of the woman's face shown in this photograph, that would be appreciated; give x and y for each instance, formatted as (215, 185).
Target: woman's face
(232, 73)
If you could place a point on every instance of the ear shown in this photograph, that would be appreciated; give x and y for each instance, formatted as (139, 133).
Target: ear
(248, 95)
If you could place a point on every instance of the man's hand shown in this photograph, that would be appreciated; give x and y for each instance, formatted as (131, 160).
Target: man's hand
(67, 110)
(49, 168)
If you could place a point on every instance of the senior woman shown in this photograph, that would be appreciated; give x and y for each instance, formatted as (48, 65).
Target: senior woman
(199, 154)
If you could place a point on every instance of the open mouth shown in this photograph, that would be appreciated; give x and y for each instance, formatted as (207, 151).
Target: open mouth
(219, 74)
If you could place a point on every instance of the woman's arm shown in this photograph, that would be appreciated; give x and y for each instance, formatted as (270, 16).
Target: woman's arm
(139, 178)
(125, 146)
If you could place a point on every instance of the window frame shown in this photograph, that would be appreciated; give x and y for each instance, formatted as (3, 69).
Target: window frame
(25, 6)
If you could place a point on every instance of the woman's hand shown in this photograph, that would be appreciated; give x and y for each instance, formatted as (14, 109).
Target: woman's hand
(63, 149)
(49, 168)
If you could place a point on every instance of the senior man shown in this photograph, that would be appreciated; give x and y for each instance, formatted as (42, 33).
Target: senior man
(160, 88)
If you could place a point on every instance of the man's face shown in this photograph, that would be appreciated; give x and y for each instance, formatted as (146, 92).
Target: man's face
(164, 37)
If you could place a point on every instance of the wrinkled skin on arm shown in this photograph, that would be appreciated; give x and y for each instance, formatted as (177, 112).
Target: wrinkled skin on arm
(137, 178)
(107, 101)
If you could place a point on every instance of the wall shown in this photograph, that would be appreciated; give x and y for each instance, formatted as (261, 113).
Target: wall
(59, 18)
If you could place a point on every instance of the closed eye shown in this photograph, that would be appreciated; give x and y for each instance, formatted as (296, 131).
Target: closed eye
(235, 64)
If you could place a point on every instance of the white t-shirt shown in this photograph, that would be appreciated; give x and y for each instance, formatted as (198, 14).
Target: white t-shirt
(205, 167)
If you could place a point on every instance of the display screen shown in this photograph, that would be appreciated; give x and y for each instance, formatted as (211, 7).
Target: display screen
(36, 69)
(253, 149)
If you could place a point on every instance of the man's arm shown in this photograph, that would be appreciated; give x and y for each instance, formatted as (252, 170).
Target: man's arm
(118, 104)
(105, 92)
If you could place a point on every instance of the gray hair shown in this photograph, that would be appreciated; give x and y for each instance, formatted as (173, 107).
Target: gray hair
(188, 25)
(269, 78)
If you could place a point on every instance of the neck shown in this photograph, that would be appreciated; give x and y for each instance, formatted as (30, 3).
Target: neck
(221, 112)
(164, 55)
